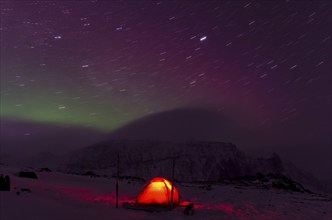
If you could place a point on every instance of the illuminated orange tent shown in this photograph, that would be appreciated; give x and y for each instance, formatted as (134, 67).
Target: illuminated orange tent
(158, 192)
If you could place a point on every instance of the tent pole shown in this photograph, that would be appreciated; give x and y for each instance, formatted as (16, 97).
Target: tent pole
(117, 182)
(172, 191)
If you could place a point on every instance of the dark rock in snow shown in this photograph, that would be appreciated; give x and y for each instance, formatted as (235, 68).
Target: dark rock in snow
(28, 174)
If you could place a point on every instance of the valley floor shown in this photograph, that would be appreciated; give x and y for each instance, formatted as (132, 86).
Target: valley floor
(64, 196)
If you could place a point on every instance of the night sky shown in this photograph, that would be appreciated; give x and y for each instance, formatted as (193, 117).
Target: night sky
(104, 64)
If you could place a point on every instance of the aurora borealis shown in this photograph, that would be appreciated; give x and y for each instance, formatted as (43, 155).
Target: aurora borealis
(103, 64)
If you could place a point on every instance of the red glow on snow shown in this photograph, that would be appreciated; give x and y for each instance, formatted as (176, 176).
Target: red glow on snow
(88, 195)
(237, 210)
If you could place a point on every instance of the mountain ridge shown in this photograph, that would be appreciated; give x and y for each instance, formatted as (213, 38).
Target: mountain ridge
(194, 161)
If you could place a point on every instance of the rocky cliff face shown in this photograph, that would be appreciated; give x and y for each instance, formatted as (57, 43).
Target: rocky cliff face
(194, 161)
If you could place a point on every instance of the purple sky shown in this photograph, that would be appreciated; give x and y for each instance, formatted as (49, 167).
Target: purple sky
(103, 64)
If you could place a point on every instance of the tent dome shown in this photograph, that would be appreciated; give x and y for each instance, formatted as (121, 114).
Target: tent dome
(158, 192)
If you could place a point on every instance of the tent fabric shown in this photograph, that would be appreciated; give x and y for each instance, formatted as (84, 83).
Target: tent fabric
(158, 192)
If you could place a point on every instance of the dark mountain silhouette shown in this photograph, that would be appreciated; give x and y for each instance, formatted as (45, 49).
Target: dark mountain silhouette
(187, 124)
(25, 138)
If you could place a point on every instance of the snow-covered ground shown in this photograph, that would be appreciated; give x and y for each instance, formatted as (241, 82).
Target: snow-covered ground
(64, 196)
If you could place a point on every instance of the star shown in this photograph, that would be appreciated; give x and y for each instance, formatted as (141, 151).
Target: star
(203, 38)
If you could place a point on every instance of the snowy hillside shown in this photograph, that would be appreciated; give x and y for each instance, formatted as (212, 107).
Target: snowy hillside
(194, 161)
